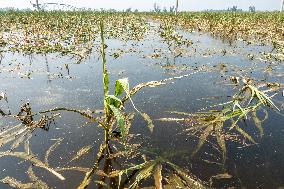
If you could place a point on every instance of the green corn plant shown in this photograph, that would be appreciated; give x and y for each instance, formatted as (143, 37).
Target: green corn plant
(112, 104)
(112, 107)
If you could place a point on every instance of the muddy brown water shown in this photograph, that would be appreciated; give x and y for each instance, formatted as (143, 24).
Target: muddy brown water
(46, 82)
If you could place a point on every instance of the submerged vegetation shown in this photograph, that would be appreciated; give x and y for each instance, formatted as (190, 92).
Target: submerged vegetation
(122, 159)
(215, 122)
(252, 28)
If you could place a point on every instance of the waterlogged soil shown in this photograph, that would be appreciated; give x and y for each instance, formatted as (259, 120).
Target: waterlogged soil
(51, 80)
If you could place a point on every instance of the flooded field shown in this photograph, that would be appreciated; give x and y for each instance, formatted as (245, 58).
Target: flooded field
(197, 110)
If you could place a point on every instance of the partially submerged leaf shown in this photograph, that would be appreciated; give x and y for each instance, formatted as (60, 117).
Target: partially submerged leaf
(12, 182)
(220, 176)
(202, 138)
(88, 176)
(245, 134)
(17, 132)
(143, 174)
(20, 140)
(221, 140)
(258, 122)
(171, 119)
(121, 85)
(149, 121)
(80, 169)
(176, 182)
(158, 177)
(37, 182)
(191, 181)
(82, 152)
(33, 159)
(51, 149)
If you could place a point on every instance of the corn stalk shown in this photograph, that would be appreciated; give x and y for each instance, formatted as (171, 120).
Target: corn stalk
(106, 85)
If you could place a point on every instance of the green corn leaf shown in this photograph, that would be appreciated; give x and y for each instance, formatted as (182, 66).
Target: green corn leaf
(113, 100)
(122, 85)
(120, 120)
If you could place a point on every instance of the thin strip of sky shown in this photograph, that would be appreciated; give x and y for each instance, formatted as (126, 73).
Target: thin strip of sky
(144, 5)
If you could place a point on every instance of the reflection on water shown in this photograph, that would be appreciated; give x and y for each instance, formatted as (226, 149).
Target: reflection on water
(42, 148)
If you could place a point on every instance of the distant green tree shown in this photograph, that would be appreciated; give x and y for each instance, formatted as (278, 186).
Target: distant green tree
(234, 9)
(165, 9)
(6, 9)
(252, 9)
(172, 9)
(157, 8)
(128, 10)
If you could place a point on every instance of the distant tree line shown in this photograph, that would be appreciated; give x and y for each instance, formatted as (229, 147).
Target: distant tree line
(157, 8)
(7, 9)
(234, 9)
